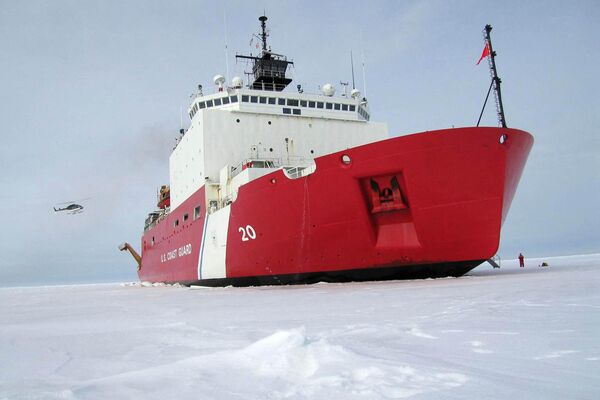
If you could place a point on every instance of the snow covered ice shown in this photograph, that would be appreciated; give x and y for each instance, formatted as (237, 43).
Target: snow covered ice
(527, 333)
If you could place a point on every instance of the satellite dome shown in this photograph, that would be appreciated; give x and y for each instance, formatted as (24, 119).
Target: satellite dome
(328, 89)
(237, 82)
(355, 93)
(219, 80)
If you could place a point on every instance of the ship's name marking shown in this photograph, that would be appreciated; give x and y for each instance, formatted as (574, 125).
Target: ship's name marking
(173, 254)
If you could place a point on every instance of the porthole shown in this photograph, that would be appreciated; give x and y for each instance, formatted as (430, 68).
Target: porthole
(237, 120)
(269, 122)
(346, 159)
(503, 138)
(271, 149)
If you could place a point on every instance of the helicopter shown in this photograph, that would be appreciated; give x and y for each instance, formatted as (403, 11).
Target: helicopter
(71, 207)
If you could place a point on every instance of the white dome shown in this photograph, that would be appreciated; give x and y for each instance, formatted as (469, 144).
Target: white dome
(219, 79)
(328, 89)
(355, 93)
(237, 82)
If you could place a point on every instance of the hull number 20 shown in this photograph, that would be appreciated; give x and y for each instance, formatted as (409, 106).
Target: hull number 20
(248, 233)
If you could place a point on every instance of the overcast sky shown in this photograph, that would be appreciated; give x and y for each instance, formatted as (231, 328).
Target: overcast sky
(91, 93)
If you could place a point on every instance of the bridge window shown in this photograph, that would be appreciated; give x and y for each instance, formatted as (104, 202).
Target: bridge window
(217, 102)
(292, 102)
(263, 100)
(272, 100)
(328, 106)
(225, 100)
(302, 103)
(344, 107)
(296, 111)
(352, 107)
(281, 102)
(234, 99)
(253, 99)
(202, 105)
(287, 110)
(209, 103)
(319, 104)
(311, 104)
(337, 106)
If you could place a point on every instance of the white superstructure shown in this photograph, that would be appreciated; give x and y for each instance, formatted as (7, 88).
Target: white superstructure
(268, 129)
(240, 133)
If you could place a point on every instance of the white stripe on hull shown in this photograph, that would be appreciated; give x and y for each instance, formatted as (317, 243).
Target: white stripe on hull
(211, 264)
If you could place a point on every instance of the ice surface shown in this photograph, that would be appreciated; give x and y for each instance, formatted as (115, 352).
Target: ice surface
(527, 333)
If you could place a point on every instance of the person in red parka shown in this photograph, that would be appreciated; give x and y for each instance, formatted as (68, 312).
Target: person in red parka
(521, 260)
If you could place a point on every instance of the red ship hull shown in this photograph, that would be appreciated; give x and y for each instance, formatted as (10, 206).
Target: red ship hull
(425, 205)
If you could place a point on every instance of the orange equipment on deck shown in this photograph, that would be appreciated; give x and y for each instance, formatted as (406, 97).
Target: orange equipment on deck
(164, 197)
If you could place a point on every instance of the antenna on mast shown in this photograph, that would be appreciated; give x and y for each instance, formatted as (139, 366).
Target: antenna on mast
(352, 63)
(362, 54)
(345, 85)
(363, 72)
(263, 35)
(268, 68)
(226, 49)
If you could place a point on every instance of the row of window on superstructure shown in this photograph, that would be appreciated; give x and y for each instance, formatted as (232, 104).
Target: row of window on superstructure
(363, 113)
(279, 101)
(214, 103)
(298, 103)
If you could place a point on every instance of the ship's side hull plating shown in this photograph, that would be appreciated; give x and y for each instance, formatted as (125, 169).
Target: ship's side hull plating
(423, 205)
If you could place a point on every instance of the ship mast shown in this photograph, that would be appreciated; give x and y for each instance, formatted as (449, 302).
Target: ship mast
(496, 81)
(263, 35)
(269, 69)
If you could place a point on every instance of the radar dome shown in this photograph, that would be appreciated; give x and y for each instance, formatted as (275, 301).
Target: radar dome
(219, 79)
(328, 89)
(355, 93)
(237, 82)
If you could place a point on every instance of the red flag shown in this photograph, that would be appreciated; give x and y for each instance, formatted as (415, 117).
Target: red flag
(485, 53)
